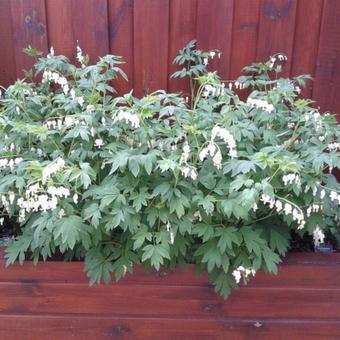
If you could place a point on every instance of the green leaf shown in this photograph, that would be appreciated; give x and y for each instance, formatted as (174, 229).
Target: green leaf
(69, 229)
(156, 253)
(98, 266)
(134, 166)
(228, 236)
(205, 231)
(140, 237)
(91, 212)
(208, 181)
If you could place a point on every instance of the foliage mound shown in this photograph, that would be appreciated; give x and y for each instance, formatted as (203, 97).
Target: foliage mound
(165, 180)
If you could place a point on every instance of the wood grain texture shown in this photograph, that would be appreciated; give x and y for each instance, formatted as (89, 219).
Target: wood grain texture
(182, 29)
(121, 38)
(91, 327)
(53, 300)
(277, 27)
(327, 75)
(7, 61)
(29, 28)
(44, 327)
(84, 21)
(245, 35)
(214, 30)
(151, 28)
(306, 40)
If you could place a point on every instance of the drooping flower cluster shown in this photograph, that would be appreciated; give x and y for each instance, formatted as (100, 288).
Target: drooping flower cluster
(61, 122)
(128, 117)
(285, 208)
(211, 55)
(80, 57)
(10, 163)
(52, 168)
(315, 118)
(240, 272)
(213, 91)
(214, 151)
(227, 137)
(55, 77)
(292, 178)
(36, 198)
(260, 104)
(187, 170)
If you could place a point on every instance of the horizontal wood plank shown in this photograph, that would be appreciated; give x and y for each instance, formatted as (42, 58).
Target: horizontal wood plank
(168, 301)
(76, 327)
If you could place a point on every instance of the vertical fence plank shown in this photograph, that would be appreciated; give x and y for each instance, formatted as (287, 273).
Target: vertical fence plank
(182, 30)
(82, 20)
(121, 38)
(277, 27)
(306, 40)
(29, 28)
(245, 33)
(327, 76)
(151, 31)
(214, 30)
(7, 62)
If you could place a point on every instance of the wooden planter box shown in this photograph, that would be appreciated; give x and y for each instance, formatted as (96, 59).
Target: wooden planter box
(54, 301)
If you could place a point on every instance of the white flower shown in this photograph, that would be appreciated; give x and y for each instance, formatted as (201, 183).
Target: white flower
(217, 159)
(2, 219)
(241, 271)
(212, 54)
(205, 61)
(227, 137)
(73, 93)
(80, 101)
(261, 104)
(51, 51)
(75, 198)
(128, 117)
(98, 143)
(186, 153)
(318, 236)
(90, 108)
(322, 193)
(80, 56)
(61, 213)
(52, 168)
(333, 146)
(237, 275)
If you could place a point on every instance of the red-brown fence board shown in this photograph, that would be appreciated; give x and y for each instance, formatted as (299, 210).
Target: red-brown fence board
(277, 27)
(182, 29)
(327, 78)
(121, 38)
(29, 28)
(85, 21)
(245, 35)
(214, 30)
(148, 33)
(54, 301)
(306, 41)
(151, 28)
(7, 62)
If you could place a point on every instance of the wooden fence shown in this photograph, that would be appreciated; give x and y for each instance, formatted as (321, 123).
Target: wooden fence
(148, 33)
(54, 301)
